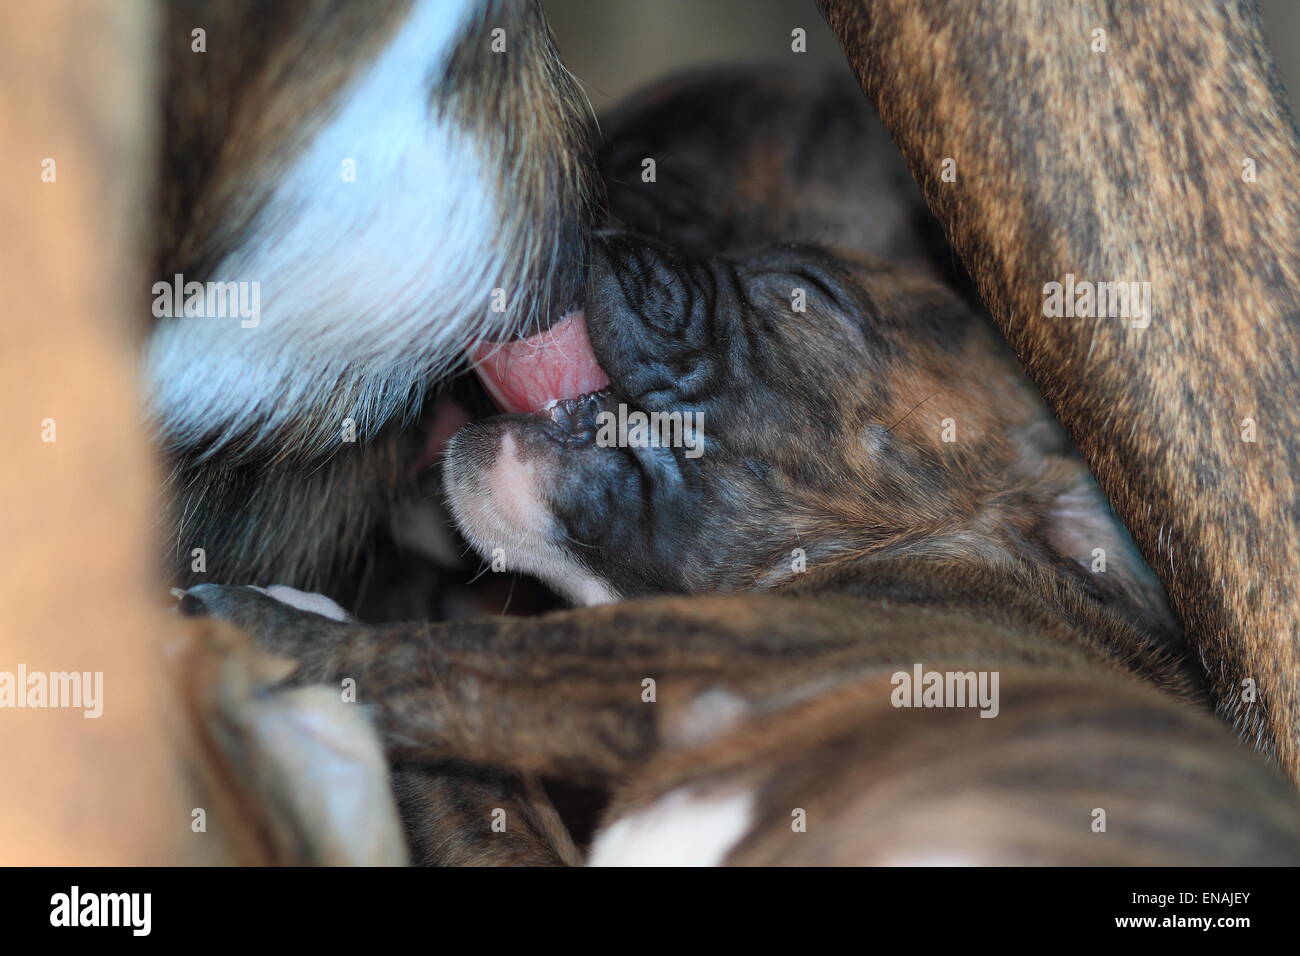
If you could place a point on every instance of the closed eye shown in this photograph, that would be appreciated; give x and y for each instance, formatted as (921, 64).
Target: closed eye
(824, 290)
(825, 284)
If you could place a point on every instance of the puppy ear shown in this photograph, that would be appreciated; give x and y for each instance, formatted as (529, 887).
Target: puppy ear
(1081, 527)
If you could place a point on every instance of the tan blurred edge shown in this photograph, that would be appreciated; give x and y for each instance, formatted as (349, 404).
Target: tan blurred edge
(78, 590)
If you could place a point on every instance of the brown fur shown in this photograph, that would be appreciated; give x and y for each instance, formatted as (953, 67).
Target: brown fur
(886, 418)
(235, 117)
(530, 113)
(110, 590)
(234, 114)
(825, 433)
(1128, 165)
(448, 809)
(789, 154)
(278, 772)
(811, 726)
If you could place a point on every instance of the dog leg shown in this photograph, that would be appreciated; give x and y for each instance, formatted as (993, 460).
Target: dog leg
(454, 813)
(733, 712)
(461, 815)
(563, 694)
(283, 775)
(851, 779)
(1134, 141)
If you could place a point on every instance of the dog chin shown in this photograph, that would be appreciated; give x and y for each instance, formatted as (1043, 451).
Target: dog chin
(494, 475)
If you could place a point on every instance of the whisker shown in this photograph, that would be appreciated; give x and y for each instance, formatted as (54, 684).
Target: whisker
(910, 410)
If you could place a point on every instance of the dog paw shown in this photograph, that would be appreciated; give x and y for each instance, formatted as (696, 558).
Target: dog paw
(278, 618)
(307, 601)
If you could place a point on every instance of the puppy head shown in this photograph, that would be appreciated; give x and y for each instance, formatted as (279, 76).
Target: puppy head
(809, 405)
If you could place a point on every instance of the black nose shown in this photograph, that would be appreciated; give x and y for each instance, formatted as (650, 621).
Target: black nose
(652, 314)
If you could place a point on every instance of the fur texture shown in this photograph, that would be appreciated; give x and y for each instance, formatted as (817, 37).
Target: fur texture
(746, 711)
(1128, 165)
(469, 174)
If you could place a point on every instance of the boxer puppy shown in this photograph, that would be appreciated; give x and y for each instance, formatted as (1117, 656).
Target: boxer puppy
(877, 496)
(352, 196)
(881, 418)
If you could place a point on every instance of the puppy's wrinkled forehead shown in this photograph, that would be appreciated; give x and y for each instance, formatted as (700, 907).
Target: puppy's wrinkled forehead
(786, 317)
(803, 343)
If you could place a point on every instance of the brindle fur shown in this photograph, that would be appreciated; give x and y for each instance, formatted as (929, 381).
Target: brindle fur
(809, 724)
(447, 807)
(1128, 165)
(822, 436)
(830, 433)
(798, 156)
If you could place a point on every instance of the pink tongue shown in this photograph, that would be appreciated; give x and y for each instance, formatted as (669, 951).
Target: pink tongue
(528, 374)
